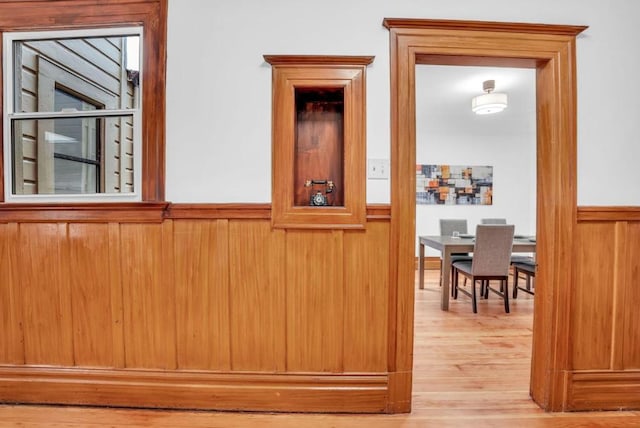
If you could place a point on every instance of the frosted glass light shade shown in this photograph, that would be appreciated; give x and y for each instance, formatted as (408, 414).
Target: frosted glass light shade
(489, 103)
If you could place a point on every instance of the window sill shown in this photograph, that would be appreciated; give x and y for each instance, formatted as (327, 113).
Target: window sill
(99, 212)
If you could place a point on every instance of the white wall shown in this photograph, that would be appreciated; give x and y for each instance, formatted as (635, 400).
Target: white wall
(219, 88)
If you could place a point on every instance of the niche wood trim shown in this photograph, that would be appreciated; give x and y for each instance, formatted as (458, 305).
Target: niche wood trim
(318, 141)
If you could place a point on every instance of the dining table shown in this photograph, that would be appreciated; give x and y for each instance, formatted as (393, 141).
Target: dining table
(448, 245)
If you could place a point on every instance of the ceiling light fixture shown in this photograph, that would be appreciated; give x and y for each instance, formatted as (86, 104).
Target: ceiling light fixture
(490, 102)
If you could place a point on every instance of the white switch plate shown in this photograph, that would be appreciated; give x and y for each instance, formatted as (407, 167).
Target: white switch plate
(378, 169)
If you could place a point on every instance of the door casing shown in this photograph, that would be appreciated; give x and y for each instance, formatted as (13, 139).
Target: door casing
(550, 49)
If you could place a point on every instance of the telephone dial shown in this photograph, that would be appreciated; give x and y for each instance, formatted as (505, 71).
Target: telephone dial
(321, 192)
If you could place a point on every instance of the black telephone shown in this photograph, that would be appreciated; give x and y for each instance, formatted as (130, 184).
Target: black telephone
(321, 197)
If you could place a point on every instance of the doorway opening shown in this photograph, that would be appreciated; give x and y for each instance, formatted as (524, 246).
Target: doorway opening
(550, 50)
(474, 166)
(471, 167)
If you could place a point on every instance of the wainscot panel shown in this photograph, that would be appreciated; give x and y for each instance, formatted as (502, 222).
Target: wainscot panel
(605, 321)
(194, 306)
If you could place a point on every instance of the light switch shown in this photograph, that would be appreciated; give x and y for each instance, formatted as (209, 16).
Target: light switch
(378, 169)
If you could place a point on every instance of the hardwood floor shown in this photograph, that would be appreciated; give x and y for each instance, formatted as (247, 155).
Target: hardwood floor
(469, 370)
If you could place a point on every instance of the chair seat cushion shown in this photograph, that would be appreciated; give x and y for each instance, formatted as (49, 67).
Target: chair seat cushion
(529, 268)
(522, 259)
(463, 265)
(460, 258)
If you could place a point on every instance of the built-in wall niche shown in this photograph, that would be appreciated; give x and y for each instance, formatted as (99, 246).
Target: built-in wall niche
(319, 147)
(318, 141)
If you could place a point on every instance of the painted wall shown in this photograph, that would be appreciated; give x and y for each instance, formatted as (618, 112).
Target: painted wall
(219, 136)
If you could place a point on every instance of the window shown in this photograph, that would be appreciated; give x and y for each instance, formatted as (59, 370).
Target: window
(76, 146)
(73, 115)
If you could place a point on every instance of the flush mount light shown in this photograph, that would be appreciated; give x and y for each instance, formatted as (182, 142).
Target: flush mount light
(490, 102)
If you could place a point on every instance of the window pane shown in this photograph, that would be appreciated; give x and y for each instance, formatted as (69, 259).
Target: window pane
(75, 137)
(95, 69)
(74, 177)
(73, 155)
(65, 101)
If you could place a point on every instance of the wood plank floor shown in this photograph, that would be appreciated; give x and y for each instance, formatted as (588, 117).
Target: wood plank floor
(471, 370)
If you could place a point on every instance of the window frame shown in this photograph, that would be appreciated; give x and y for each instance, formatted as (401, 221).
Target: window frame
(37, 15)
(10, 116)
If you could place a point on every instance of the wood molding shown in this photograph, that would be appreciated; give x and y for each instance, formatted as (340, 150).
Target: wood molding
(130, 212)
(476, 61)
(609, 213)
(508, 27)
(313, 392)
(318, 59)
(552, 49)
(375, 212)
(378, 212)
(218, 211)
(155, 212)
(603, 390)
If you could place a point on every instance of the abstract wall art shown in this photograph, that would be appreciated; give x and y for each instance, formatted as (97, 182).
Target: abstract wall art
(454, 185)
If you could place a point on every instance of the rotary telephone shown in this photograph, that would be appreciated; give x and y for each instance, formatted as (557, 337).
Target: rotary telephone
(321, 192)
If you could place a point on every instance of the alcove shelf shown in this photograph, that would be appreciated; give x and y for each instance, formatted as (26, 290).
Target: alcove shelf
(318, 141)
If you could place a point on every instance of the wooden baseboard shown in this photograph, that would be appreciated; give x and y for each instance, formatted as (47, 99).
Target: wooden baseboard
(400, 385)
(603, 390)
(361, 393)
(430, 263)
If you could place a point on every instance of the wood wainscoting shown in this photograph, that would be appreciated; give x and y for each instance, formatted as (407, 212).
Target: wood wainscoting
(193, 306)
(605, 320)
(207, 306)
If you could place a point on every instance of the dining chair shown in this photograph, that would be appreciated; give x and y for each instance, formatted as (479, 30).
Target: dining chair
(450, 225)
(528, 269)
(491, 260)
(447, 227)
(493, 221)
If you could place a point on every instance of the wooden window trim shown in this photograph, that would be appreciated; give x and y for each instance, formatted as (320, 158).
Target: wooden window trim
(42, 15)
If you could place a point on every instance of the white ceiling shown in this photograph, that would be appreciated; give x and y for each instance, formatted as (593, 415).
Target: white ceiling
(444, 93)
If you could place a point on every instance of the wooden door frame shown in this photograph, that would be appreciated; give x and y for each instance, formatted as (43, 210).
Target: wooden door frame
(550, 49)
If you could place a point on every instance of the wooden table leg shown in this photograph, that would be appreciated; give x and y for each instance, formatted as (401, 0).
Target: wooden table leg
(445, 272)
(421, 267)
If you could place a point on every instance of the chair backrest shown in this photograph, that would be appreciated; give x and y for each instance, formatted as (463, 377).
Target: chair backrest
(493, 221)
(449, 225)
(492, 250)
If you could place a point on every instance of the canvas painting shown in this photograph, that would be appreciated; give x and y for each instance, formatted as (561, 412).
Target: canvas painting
(454, 185)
